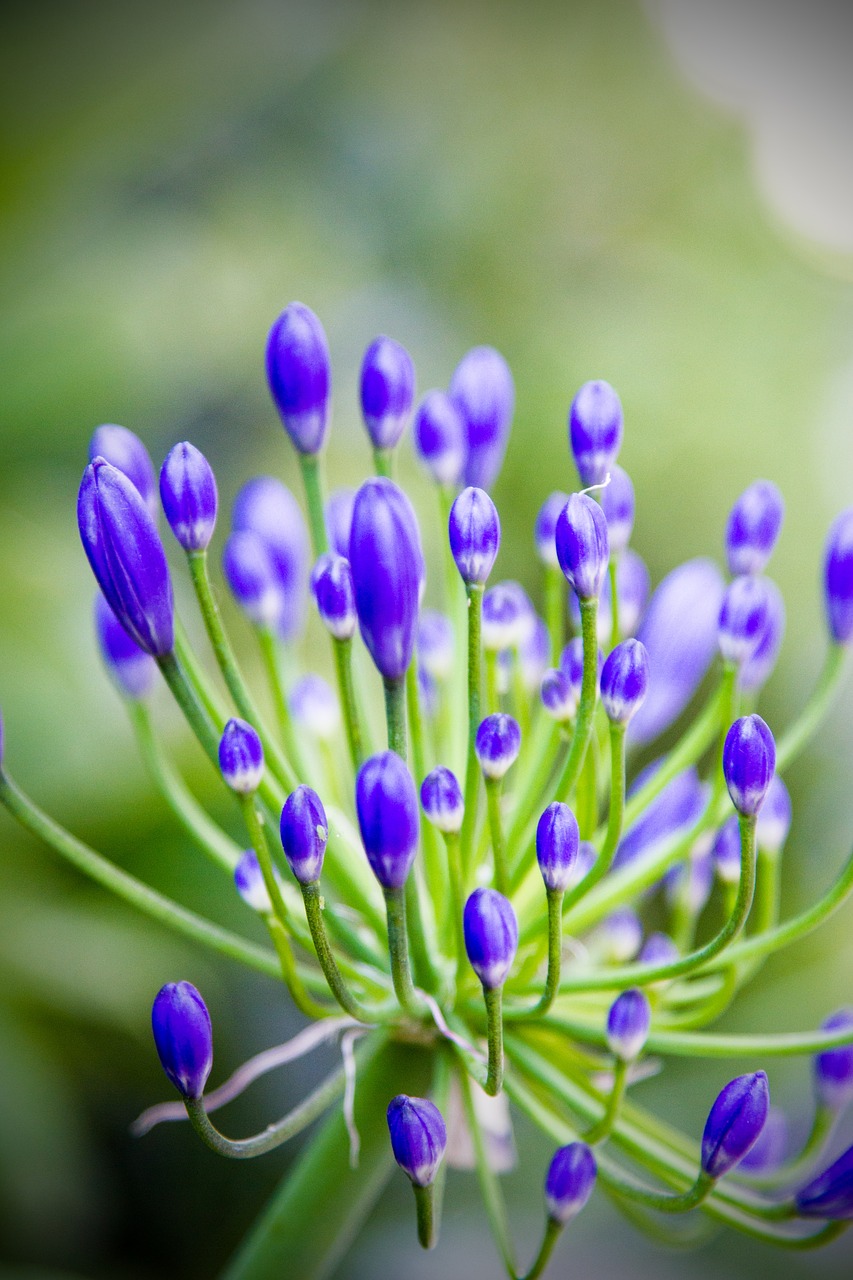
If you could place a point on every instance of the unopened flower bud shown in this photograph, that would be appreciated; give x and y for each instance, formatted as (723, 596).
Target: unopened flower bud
(331, 581)
(387, 391)
(388, 572)
(545, 529)
(475, 535)
(749, 761)
(774, 818)
(298, 374)
(387, 807)
(304, 832)
(753, 527)
(833, 1068)
(624, 680)
(241, 757)
(314, 705)
(126, 452)
(830, 1194)
(439, 434)
(183, 1037)
(758, 667)
(582, 545)
(628, 1021)
(559, 697)
(249, 883)
(557, 841)
(570, 1181)
(435, 644)
(508, 617)
(483, 392)
(734, 1123)
(658, 948)
(838, 578)
(595, 430)
(266, 507)
(188, 494)
(132, 669)
(418, 1137)
(442, 801)
(249, 571)
(770, 1150)
(726, 852)
(491, 936)
(743, 618)
(618, 938)
(338, 518)
(617, 503)
(497, 744)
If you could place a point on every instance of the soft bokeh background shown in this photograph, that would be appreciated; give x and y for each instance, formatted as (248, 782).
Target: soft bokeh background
(540, 177)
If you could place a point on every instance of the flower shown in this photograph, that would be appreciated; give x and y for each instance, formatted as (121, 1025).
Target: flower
(241, 757)
(582, 545)
(475, 535)
(628, 1022)
(734, 1123)
(304, 831)
(570, 1181)
(298, 374)
(387, 808)
(595, 430)
(188, 494)
(557, 841)
(418, 1137)
(749, 761)
(753, 527)
(491, 936)
(387, 391)
(183, 1037)
(482, 390)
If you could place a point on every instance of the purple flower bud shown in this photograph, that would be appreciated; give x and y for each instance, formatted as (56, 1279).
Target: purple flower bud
(759, 665)
(124, 549)
(442, 801)
(628, 1021)
(304, 832)
(183, 1037)
(436, 649)
(625, 680)
(545, 529)
(658, 948)
(830, 1194)
(388, 571)
(582, 546)
(570, 1181)
(188, 494)
(743, 618)
(679, 631)
(241, 757)
(249, 883)
(632, 585)
(726, 852)
(439, 433)
(753, 527)
(557, 841)
(331, 581)
(617, 503)
(252, 579)
(508, 617)
(666, 819)
(418, 1137)
(266, 507)
(833, 1069)
(559, 697)
(838, 578)
(749, 761)
(595, 430)
(534, 653)
(132, 670)
(585, 861)
(497, 744)
(298, 374)
(314, 705)
(126, 452)
(774, 818)
(491, 936)
(734, 1123)
(483, 392)
(771, 1148)
(475, 535)
(338, 516)
(387, 807)
(618, 938)
(693, 880)
(387, 391)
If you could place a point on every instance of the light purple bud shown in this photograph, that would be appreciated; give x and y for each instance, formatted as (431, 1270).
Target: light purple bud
(666, 819)
(534, 654)
(585, 861)
(252, 579)
(734, 1123)
(442, 801)
(183, 1037)
(314, 705)
(632, 585)
(497, 744)
(249, 883)
(387, 807)
(582, 546)
(338, 515)
(545, 529)
(435, 644)
(418, 1137)
(331, 581)
(388, 573)
(617, 503)
(188, 494)
(304, 832)
(830, 1194)
(774, 818)
(483, 392)
(658, 948)
(619, 936)
(266, 507)
(475, 535)
(439, 433)
(387, 391)
(759, 665)
(491, 936)
(595, 430)
(428, 691)
(832, 1070)
(126, 452)
(743, 618)
(131, 668)
(297, 361)
(624, 680)
(693, 880)
(726, 852)
(770, 1150)
(241, 757)
(508, 617)
(628, 1021)
(753, 527)
(558, 695)
(570, 1181)
(557, 843)
(749, 761)
(838, 578)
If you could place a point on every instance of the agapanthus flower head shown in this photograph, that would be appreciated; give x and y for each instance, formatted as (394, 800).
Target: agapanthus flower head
(475, 535)
(252, 580)
(617, 503)
(249, 883)
(497, 744)
(418, 1137)
(771, 1148)
(189, 497)
(595, 430)
(483, 391)
(758, 667)
(734, 1123)
(753, 527)
(338, 518)
(838, 578)
(491, 936)
(183, 1037)
(508, 617)
(545, 529)
(832, 1070)
(570, 1181)
(387, 806)
(435, 644)
(628, 1021)
(304, 832)
(241, 757)
(297, 362)
(124, 549)
(557, 842)
(442, 800)
(387, 391)
(583, 549)
(315, 707)
(749, 762)
(266, 507)
(559, 696)
(126, 452)
(131, 668)
(743, 618)
(439, 434)
(774, 818)
(726, 852)
(331, 581)
(624, 680)
(830, 1194)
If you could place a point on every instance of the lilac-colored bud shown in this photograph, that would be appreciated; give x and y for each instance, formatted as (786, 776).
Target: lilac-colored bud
(832, 1070)
(331, 581)
(497, 744)
(252, 579)
(545, 529)
(774, 818)
(743, 618)
(753, 527)
(241, 757)
(692, 881)
(838, 578)
(508, 617)
(618, 938)
(388, 572)
(669, 816)
(595, 430)
(625, 680)
(304, 832)
(183, 1037)
(617, 503)
(569, 1182)
(571, 663)
(632, 586)
(533, 655)
(658, 948)
(387, 807)
(830, 1194)
(387, 391)
(760, 663)
(126, 452)
(557, 842)
(439, 433)
(734, 1123)
(582, 546)
(132, 670)
(585, 861)
(483, 392)
(428, 691)
(679, 631)
(442, 800)
(628, 1021)
(314, 706)
(124, 549)
(771, 1148)
(749, 761)
(418, 1137)
(726, 852)
(266, 507)
(559, 697)
(297, 362)
(435, 643)
(491, 936)
(475, 535)
(188, 494)
(249, 883)
(338, 517)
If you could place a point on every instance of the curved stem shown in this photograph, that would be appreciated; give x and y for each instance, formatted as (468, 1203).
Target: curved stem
(553, 1231)
(495, 1037)
(555, 961)
(337, 984)
(489, 1186)
(604, 1127)
(800, 733)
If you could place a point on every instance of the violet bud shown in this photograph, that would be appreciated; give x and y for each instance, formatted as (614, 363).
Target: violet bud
(632, 586)
(483, 392)
(534, 653)
(188, 494)
(559, 696)
(771, 1148)
(475, 535)
(304, 832)
(497, 744)
(628, 1021)
(428, 692)
(692, 881)
(435, 644)
(583, 864)
(753, 527)
(491, 936)
(595, 430)
(126, 452)
(726, 852)
(331, 581)
(387, 391)
(618, 938)
(582, 545)
(545, 529)
(658, 948)
(124, 549)
(569, 1182)
(749, 761)
(249, 883)
(388, 571)
(624, 680)
(315, 708)
(442, 800)
(832, 1069)
(131, 668)
(387, 808)
(183, 1037)
(734, 1123)
(838, 578)
(297, 361)
(743, 618)
(557, 842)
(830, 1194)
(669, 816)
(508, 617)
(774, 818)
(241, 757)
(338, 517)
(252, 579)
(760, 663)
(617, 503)
(267, 508)
(439, 433)
(418, 1137)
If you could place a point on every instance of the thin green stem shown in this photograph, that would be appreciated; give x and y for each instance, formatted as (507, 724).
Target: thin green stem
(614, 819)
(555, 961)
(337, 984)
(493, 802)
(604, 1127)
(553, 1231)
(495, 1038)
(312, 479)
(209, 697)
(457, 901)
(664, 1202)
(273, 655)
(489, 1185)
(555, 609)
(586, 709)
(398, 948)
(427, 1223)
(613, 575)
(197, 718)
(472, 768)
(342, 650)
(395, 715)
(799, 734)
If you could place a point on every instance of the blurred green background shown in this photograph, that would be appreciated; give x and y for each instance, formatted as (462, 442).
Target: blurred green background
(536, 177)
